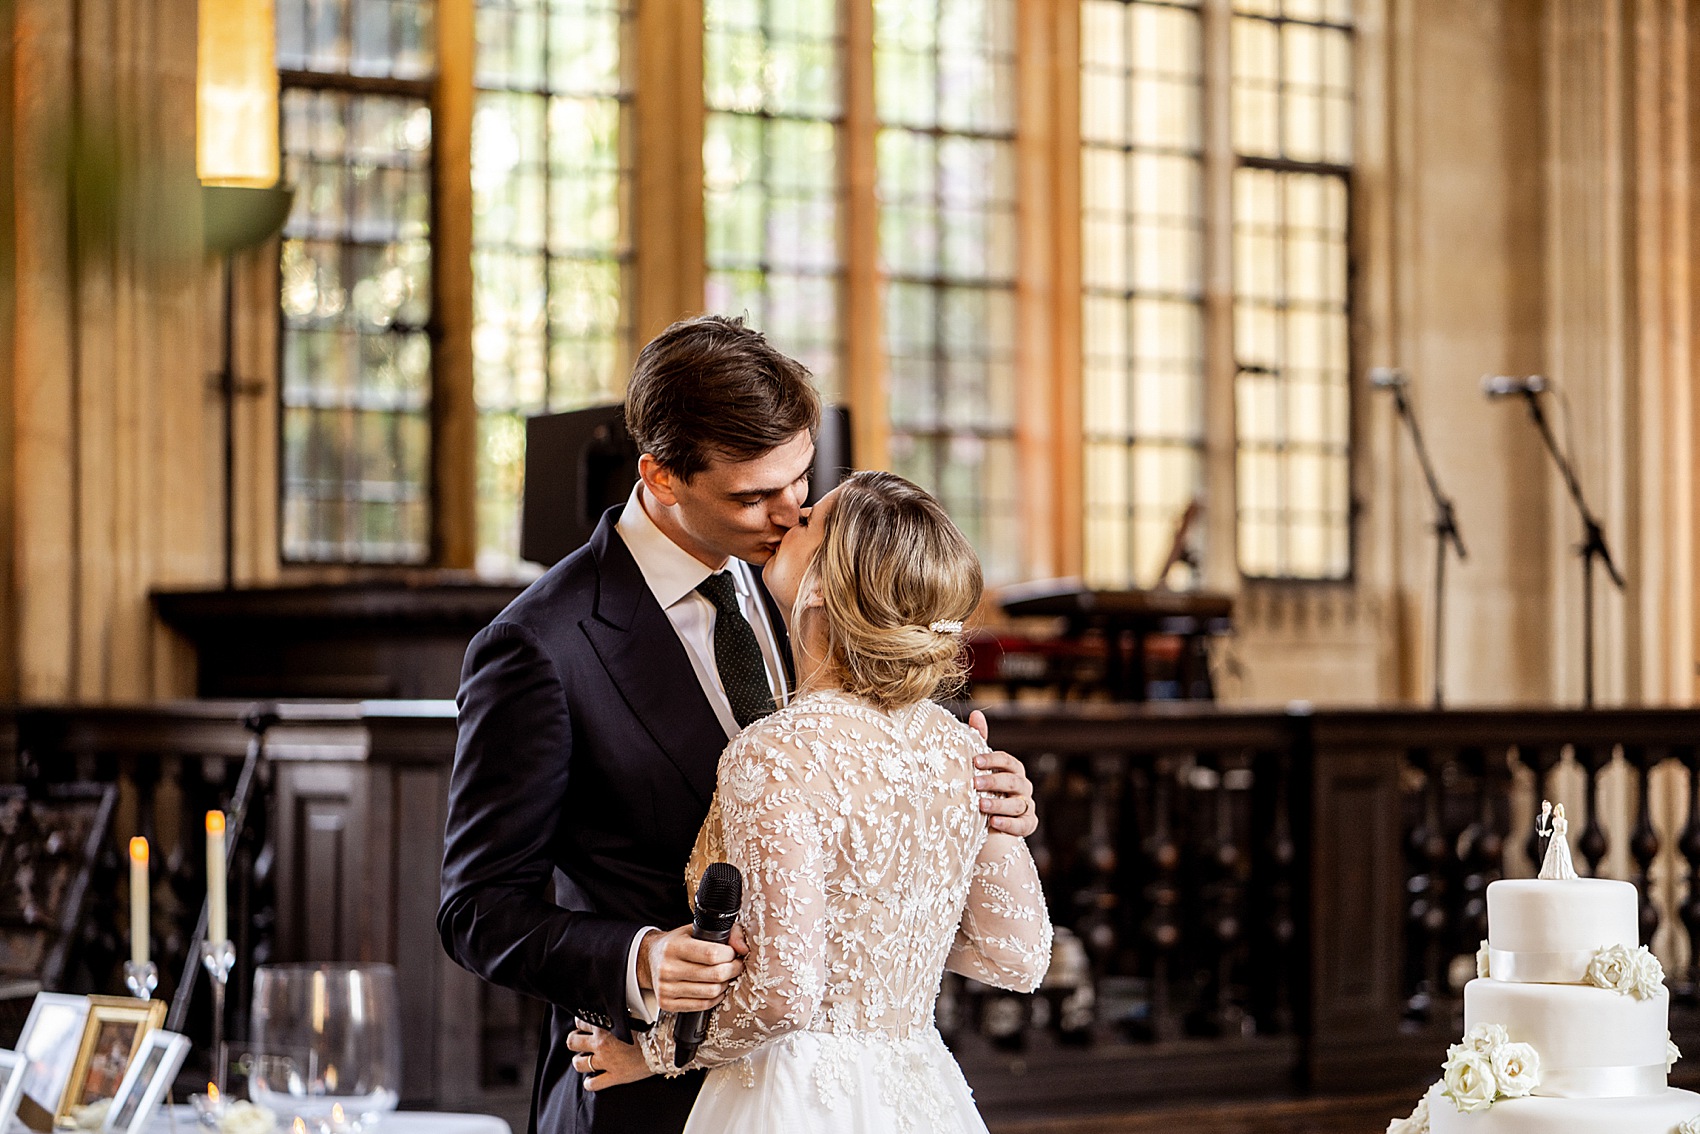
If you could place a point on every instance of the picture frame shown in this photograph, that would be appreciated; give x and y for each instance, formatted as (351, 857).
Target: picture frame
(148, 1078)
(114, 1033)
(12, 1069)
(49, 1042)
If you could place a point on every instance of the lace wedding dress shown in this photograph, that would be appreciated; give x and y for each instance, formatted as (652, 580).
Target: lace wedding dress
(868, 870)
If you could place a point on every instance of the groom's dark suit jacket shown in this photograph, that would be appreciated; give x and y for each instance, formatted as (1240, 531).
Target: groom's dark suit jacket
(586, 761)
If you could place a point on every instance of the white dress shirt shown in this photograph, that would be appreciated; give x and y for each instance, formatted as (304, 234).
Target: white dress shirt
(673, 574)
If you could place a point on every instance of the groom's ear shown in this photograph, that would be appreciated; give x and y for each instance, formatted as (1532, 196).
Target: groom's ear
(659, 480)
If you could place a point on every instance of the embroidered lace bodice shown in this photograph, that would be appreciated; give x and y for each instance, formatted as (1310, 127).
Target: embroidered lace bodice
(868, 870)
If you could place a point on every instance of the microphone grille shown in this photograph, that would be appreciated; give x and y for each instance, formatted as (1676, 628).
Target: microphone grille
(721, 890)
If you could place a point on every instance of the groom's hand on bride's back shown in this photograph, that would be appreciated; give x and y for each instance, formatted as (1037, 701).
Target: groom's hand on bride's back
(688, 975)
(1008, 793)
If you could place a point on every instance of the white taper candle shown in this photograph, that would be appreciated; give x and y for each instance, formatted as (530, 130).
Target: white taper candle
(218, 928)
(139, 900)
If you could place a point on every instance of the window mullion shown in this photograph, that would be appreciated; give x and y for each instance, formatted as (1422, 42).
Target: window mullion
(1221, 469)
(454, 416)
(865, 386)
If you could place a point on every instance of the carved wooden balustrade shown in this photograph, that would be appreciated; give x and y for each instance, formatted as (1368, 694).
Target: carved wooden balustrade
(1247, 901)
(1294, 899)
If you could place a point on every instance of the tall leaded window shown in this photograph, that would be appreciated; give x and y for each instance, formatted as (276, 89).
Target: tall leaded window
(550, 251)
(355, 380)
(1142, 265)
(772, 92)
(1292, 122)
(945, 95)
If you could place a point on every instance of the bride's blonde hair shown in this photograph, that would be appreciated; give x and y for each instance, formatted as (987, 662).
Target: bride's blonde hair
(890, 566)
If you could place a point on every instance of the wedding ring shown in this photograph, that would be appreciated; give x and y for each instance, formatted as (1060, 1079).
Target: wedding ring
(590, 1062)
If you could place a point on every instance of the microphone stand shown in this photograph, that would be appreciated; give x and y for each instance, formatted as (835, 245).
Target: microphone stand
(1446, 534)
(1593, 544)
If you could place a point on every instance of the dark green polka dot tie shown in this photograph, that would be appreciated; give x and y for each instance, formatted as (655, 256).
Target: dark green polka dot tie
(737, 655)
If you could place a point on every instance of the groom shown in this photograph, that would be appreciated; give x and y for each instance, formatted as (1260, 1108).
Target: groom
(594, 709)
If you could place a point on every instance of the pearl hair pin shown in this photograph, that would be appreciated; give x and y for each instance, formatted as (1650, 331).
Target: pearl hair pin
(945, 626)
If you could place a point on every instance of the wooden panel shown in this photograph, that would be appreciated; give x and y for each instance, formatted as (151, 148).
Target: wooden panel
(41, 368)
(319, 894)
(1357, 882)
(419, 815)
(8, 362)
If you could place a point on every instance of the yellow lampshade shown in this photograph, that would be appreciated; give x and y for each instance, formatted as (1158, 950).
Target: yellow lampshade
(236, 115)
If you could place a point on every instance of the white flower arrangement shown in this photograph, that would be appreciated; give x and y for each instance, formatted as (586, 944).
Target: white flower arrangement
(1627, 973)
(1672, 1054)
(1488, 1067)
(90, 1116)
(1414, 1123)
(244, 1117)
(1690, 1126)
(1482, 959)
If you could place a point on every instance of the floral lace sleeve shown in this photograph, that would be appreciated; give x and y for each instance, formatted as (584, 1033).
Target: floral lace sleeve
(775, 830)
(1004, 938)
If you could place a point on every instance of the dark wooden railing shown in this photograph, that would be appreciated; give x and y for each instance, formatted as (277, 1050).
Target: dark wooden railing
(1253, 901)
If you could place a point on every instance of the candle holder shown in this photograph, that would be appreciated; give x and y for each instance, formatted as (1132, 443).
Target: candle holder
(209, 1108)
(218, 958)
(141, 978)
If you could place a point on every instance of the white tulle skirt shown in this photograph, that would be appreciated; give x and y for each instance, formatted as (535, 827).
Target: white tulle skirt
(833, 1084)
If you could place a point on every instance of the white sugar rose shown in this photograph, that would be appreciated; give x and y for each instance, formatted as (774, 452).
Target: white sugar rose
(1485, 1037)
(1647, 976)
(1469, 1081)
(1691, 1126)
(1516, 1068)
(1672, 1053)
(1482, 960)
(1612, 967)
(1414, 1123)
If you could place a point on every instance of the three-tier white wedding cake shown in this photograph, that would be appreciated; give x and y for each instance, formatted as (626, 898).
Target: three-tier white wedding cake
(1565, 1029)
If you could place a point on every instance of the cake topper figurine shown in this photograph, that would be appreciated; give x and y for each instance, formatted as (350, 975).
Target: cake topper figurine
(1553, 826)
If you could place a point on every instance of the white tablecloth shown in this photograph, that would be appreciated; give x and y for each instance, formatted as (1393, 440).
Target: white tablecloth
(396, 1122)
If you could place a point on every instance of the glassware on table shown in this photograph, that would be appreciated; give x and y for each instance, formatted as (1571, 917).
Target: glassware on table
(326, 1038)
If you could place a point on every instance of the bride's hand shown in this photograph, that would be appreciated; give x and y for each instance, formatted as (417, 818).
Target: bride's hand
(603, 1060)
(1009, 807)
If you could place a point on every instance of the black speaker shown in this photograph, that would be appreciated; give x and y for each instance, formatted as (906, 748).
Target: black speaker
(577, 466)
(832, 453)
(580, 464)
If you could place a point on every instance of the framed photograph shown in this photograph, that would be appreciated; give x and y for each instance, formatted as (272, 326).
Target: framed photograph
(116, 1027)
(49, 1043)
(150, 1075)
(12, 1068)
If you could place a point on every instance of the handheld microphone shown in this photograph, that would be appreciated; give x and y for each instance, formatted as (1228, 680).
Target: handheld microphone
(1505, 386)
(719, 895)
(1387, 377)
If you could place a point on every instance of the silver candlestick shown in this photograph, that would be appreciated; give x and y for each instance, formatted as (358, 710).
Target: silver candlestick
(218, 958)
(141, 978)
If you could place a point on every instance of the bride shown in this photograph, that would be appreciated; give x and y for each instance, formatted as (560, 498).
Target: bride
(868, 869)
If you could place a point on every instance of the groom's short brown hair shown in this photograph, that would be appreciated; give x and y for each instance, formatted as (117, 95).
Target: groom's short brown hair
(711, 388)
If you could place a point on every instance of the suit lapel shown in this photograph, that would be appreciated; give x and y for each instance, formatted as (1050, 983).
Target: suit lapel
(642, 653)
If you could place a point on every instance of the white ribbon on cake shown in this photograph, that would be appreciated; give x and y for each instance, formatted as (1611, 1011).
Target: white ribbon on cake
(1566, 966)
(1602, 1082)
